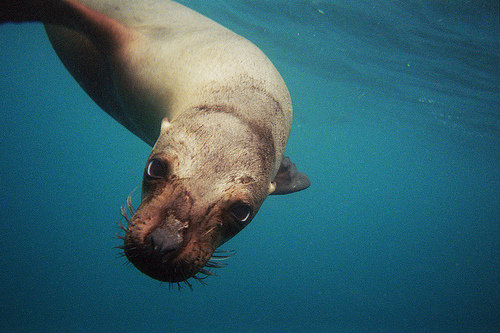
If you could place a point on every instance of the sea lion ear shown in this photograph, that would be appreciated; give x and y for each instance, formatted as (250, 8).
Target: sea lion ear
(165, 124)
(289, 179)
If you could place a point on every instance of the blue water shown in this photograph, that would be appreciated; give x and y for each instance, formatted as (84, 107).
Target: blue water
(397, 123)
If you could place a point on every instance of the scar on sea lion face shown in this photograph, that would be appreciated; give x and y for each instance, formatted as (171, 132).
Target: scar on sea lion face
(195, 197)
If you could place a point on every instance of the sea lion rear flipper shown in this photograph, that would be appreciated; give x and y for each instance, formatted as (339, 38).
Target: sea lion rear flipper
(289, 179)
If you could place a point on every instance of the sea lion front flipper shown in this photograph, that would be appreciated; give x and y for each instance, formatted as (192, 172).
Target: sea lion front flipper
(86, 41)
(289, 179)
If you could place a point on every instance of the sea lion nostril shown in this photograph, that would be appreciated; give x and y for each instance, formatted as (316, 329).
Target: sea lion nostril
(164, 241)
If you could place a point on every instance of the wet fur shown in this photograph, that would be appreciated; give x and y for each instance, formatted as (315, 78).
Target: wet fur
(230, 117)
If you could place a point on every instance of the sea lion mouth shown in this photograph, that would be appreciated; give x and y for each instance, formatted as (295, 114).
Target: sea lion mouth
(171, 250)
(165, 252)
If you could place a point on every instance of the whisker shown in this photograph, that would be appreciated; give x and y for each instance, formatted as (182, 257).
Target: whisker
(128, 211)
(189, 284)
(118, 236)
(123, 213)
(218, 254)
(212, 264)
(121, 226)
(219, 258)
(121, 255)
(207, 272)
(200, 279)
(130, 207)
(209, 230)
(129, 200)
(217, 251)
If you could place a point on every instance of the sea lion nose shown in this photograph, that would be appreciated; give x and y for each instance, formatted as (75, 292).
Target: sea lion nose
(168, 237)
(164, 242)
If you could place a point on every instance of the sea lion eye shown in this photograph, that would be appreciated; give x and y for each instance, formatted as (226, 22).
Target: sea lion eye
(156, 168)
(241, 211)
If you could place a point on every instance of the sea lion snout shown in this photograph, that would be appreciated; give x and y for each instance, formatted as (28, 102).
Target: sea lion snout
(167, 237)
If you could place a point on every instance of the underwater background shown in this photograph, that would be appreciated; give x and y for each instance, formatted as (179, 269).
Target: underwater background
(396, 122)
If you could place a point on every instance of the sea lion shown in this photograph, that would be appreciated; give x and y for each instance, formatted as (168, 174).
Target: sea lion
(215, 108)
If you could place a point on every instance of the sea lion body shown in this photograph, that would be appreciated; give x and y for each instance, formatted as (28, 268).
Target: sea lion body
(215, 108)
(179, 60)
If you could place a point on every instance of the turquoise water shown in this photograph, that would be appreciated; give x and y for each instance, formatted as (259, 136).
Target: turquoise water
(397, 115)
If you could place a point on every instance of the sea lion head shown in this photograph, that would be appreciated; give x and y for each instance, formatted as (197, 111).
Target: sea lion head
(204, 181)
